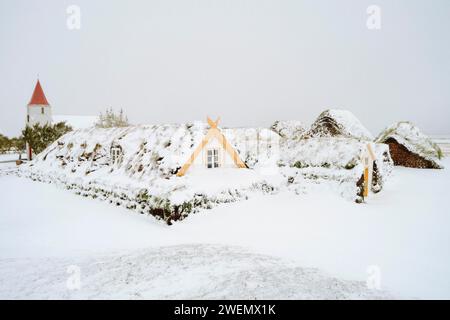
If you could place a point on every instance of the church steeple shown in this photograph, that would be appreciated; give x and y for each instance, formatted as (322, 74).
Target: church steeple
(38, 97)
(39, 112)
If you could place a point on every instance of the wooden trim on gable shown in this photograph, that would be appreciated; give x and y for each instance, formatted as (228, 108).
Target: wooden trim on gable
(371, 153)
(213, 132)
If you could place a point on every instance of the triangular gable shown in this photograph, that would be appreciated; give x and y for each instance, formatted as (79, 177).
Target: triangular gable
(213, 133)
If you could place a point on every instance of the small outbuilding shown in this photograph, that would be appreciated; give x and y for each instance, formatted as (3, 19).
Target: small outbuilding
(409, 147)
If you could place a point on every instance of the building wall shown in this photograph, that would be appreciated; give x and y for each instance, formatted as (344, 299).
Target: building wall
(254, 146)
(35, 115)
(225, 161)
(403, 157)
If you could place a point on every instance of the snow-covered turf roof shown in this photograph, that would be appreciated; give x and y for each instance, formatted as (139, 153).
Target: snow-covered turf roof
(150, 158)
(141, 175)
(337, 153)
(336, 122)
(408, 135)
(291, 129)
(147, 149)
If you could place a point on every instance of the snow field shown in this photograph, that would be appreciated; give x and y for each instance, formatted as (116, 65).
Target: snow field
(402, 231)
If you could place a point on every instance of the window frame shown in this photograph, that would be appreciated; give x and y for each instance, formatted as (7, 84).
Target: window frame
(116, 154)
(212, 158)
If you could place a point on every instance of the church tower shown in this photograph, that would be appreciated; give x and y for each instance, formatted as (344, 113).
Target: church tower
(39, 111)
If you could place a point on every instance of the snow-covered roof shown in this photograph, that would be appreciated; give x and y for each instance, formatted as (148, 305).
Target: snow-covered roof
(152, 154)
(291, 129)
(338, 123)
(332, 153)
(408, 135)
(76, 122)
(145, 173)
(330, 160)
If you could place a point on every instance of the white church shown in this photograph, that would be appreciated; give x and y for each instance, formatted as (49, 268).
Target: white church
(39, 111)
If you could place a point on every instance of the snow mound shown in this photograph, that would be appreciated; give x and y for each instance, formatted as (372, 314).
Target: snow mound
(176, 272)
(408, 135)
(291, 129)
(338, 123)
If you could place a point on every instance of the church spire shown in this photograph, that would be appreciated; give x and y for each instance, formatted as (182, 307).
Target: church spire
(38, 96)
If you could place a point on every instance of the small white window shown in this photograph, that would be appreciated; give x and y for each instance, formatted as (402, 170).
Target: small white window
(116, 154)
(42, 110)
(212, 160)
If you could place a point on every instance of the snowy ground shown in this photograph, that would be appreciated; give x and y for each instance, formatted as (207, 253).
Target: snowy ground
(266, 247)
(6, 157)
(175, 272)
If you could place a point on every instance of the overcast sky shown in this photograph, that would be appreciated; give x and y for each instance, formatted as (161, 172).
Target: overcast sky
(251, 62)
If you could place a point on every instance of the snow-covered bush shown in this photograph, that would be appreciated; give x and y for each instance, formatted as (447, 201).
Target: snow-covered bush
(111, 119)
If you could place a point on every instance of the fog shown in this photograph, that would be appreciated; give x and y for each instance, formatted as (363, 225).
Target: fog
(250, 62)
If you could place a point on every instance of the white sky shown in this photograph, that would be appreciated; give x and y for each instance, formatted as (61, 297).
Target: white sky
(251, 62)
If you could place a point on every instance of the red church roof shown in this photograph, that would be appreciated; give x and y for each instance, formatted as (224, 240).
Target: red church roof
(38, 95)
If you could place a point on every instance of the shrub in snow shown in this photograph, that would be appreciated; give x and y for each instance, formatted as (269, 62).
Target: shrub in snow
(409, 147)
(111, 119)
(11, 145)
(39, 137)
